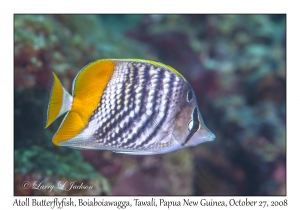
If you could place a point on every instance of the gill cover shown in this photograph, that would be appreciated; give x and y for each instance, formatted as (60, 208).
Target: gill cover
(190, 129)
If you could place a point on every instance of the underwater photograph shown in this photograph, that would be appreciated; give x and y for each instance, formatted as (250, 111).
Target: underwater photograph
(150, 104)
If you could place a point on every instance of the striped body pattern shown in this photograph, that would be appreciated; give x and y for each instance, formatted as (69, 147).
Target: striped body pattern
(144, 108)
(139, 101)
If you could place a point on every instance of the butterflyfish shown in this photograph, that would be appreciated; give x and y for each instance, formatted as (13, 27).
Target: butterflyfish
(129, 106)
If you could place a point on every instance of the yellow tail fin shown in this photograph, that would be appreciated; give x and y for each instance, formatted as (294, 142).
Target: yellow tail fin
(88, 88)
(60, 101)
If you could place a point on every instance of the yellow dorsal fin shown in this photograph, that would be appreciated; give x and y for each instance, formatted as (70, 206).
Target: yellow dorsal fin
(59, 101)
(88, 88)
(155, 63)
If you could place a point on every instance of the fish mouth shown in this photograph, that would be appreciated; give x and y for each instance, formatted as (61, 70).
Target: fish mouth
(199, 137)
(207, 135)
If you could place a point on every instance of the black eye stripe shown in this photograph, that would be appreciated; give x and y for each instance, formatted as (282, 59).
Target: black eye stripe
(195, 115)
(190, 95)
(194, 127)
(194, 124)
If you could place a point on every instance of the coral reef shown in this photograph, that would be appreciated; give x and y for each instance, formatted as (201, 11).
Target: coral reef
(41, 46)
(168, 174)
(235, 64)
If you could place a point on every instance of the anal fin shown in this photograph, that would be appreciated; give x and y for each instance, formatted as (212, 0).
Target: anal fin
(135, 152)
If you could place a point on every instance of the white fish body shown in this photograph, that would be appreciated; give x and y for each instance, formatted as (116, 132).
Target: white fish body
(128, 106)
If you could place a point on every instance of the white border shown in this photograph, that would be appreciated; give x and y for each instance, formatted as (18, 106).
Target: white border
(187, 6)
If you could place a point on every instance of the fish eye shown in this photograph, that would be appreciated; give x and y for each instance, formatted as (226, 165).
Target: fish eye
(193, 126)
(194, 123)
(190, 125)
(190, 95)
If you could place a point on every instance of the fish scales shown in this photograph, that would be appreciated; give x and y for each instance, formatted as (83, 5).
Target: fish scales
(132, 127)
(129, 106)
